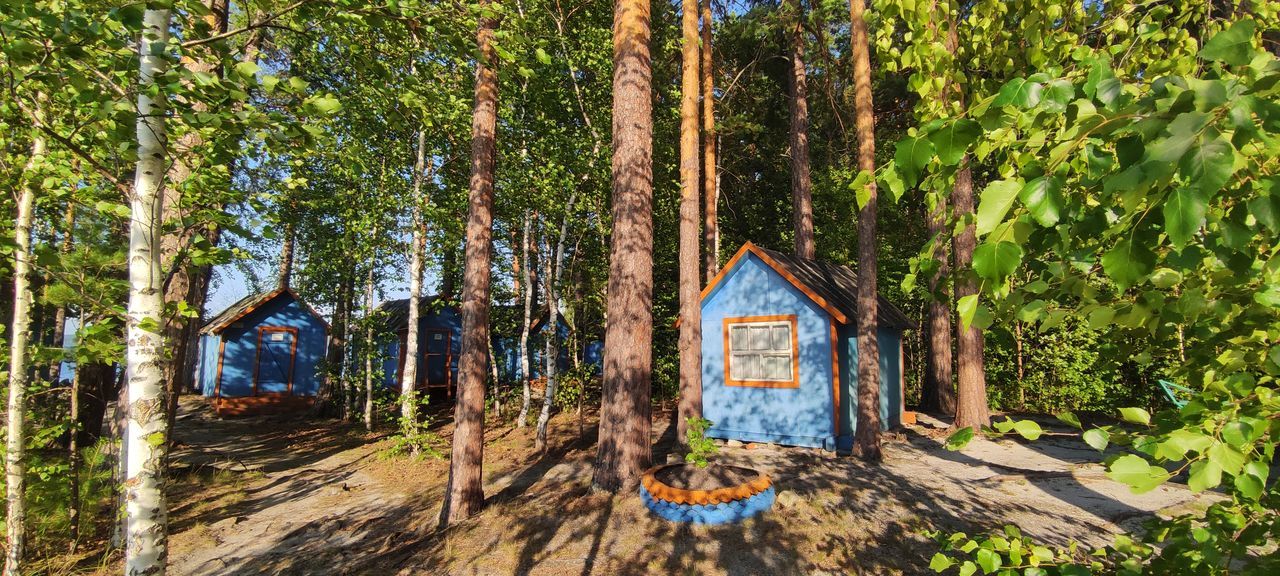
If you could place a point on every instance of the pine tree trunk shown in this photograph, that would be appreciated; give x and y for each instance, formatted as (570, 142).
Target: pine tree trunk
(690, 304)
(939, 394)
(409, 375)
(971, 389)
(710, 178)
(465, 493)
(286, 257)
(867, 436)
(146, 540)
(368, 345)
(15, 442)
(624, 450)
(801, 183)
(525, 365)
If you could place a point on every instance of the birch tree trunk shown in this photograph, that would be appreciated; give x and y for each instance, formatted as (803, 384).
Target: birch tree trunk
(15, 463)
(409, 375)
(624, 449)
(867, 436)
(710, 179)
(554, 272)
(73, 461)
(690, 404)
(465, 493)
(523, 419)
(60, 316)
(801, 183)
(146, 539)
(368, 347)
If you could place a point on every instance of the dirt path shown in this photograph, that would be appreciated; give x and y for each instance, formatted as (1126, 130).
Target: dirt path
(306, 498)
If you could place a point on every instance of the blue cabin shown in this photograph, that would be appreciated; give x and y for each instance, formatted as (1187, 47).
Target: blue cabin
(439, 344)
(506, 349)
(780, 354)
(261, 353)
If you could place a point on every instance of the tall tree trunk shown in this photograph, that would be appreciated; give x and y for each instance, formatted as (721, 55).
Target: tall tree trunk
(801, 183)
(710, 177)
(624, 450)
(409, 375)
(73, 461)
(15, 463)
(971, 390)
(554, 272)
(146, 543)
(286, 257)
(690, 405)
(349, 367)
(525, 365)
(368, 344)
(939, 395)
(60, 316)
(465, 493)
(867, 438)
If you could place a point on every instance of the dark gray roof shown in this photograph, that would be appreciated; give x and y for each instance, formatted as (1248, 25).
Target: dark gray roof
(838, 285)
(396, 312)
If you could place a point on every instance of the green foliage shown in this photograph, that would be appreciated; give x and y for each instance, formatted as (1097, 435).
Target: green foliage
(414, 437)
(700, 448)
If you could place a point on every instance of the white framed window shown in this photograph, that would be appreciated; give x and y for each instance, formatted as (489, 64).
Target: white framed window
(761, 351)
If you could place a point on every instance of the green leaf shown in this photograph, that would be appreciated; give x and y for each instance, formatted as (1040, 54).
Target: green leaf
(1165, 278)
(940, 562)
(959, 439)
(1184, 215)
(1097, 438)
(1233, 46)
(1237, 434)
(997, 261)
(1127, 263)
(1056, 95)
(1135, 472)
(1209, 166)
(325, 104)
(1230, 459)
(1205, 474)
(1043, 198)
(1249, 486)
(1135, 415)
(1069, 418)
(1101, 317)
(954, 139)
(542, 56)
(247, 69)
(1028, 429)
(1266, 210)
(967, 307)
(989, 560)
(1183, 132)
(1019, 92)
(911, 156)
(968, 568)
(994, 204)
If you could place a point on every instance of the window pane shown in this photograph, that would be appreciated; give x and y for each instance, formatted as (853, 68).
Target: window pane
(759, 337)
(737, 366)
(738, 338)
(782, 337)
(784, 368)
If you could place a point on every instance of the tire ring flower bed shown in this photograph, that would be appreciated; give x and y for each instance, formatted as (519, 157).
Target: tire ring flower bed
(718, 506)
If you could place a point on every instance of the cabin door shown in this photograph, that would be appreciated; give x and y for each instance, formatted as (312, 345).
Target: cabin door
(273, 373)
(438, 357)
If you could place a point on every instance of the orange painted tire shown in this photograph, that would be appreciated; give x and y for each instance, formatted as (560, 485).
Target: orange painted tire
(661, 491)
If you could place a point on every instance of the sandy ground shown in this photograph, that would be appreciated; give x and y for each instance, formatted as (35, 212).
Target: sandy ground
(274, 495)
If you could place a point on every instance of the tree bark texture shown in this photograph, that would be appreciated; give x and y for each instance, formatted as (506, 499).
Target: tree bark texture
(624, 451)
(690, 404)
(554, 275)
(60, 316)
(867, 436)
(525, 365)
(409, 375)
(971, 389)
(465, 493)
(15, 471)
(286, 257)
(146, 435)
(710, 175)
(801, 183)
(939, 394)
(369, 344)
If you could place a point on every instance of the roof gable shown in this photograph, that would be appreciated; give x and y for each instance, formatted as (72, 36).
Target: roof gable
(833, 287)
(247, 305)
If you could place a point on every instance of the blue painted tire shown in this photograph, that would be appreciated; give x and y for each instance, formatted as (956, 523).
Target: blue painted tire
(723, 513)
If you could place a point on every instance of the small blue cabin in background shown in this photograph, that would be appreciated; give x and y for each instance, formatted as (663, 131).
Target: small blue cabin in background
(439, 344)
(780, 353)
(261, 354)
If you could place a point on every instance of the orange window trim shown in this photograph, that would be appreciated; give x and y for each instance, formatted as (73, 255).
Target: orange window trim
(795, 352)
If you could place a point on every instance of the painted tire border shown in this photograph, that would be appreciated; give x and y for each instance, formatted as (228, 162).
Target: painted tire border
(664, 492)
(723, 513)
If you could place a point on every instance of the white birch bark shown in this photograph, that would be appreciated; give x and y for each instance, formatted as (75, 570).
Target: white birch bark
(554, 266)
(368, 347)
(15, 444)
(146, 536)
(409, 375)
(524, 325)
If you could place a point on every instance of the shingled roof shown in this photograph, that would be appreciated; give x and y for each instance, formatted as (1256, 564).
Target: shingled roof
(247, 305)
(834, 285)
